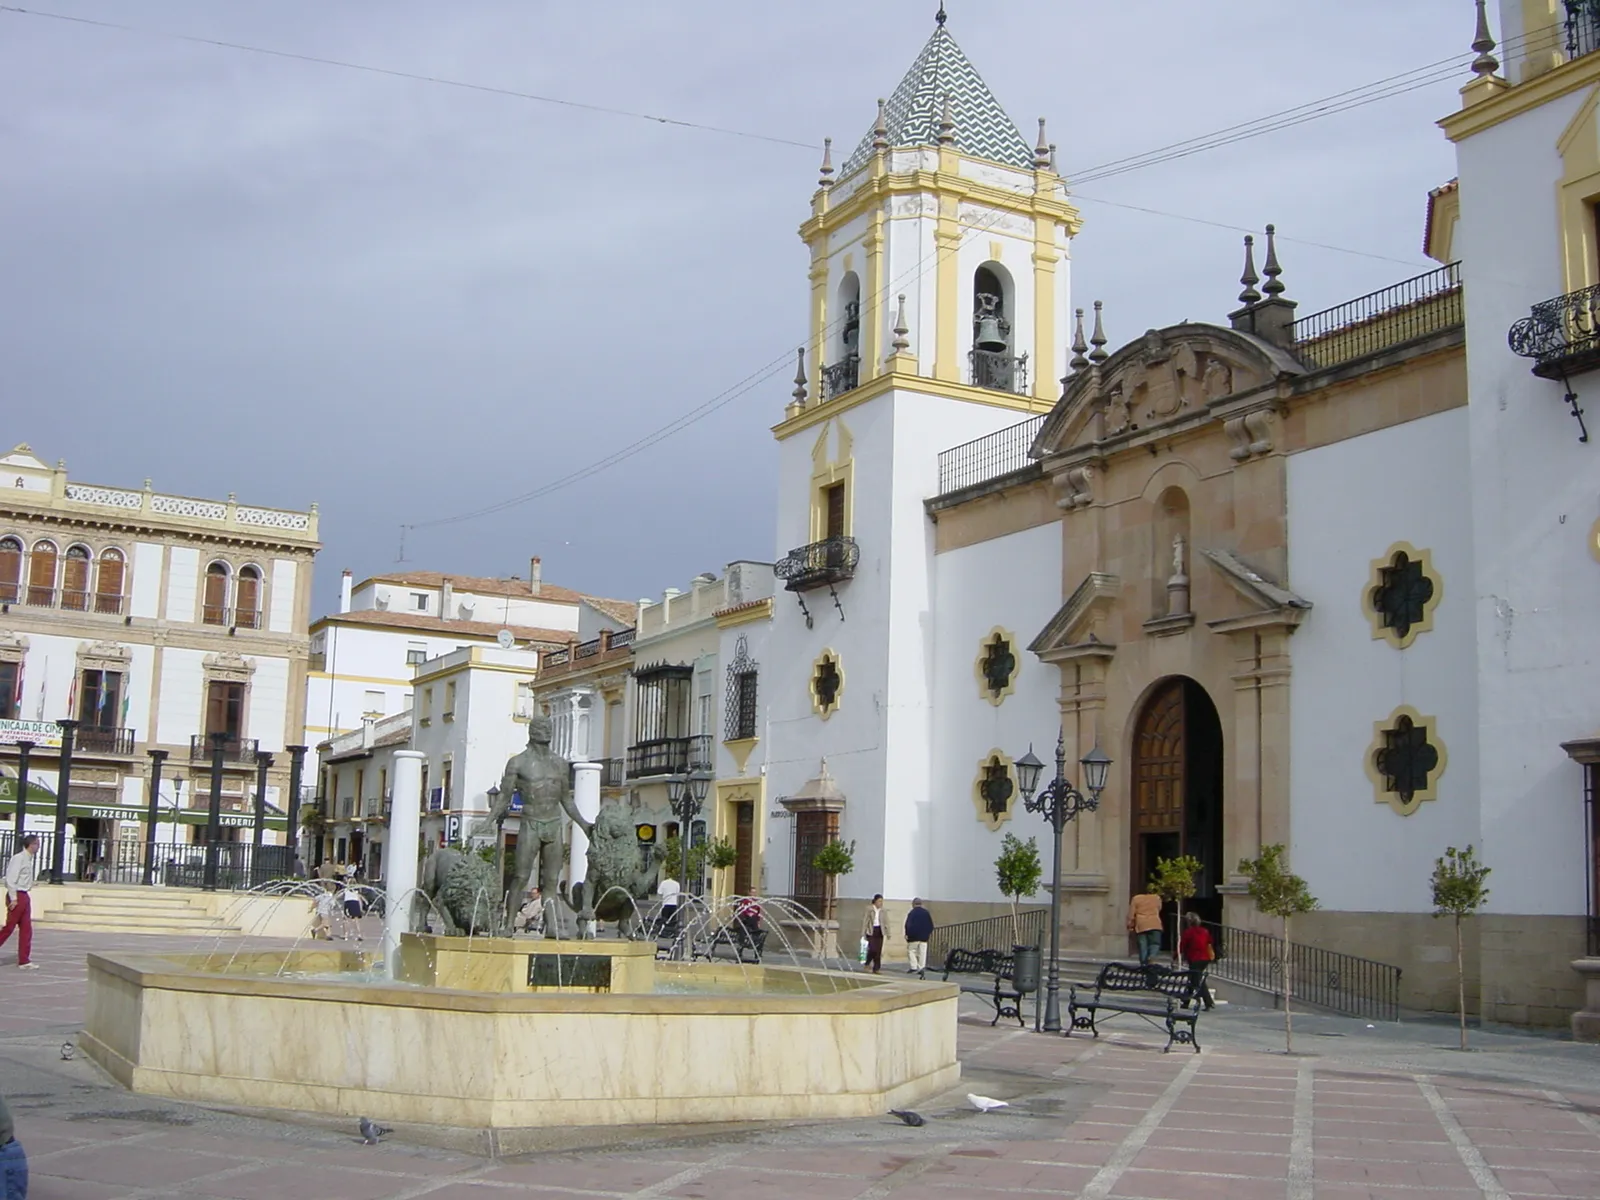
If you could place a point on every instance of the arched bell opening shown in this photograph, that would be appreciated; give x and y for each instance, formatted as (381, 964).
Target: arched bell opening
(993, 357)
(842, 373)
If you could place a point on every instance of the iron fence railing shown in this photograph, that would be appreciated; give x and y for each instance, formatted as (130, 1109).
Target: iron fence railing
(988, 457)
(841, 377)
(1391, 316)
(1562, 335)
(234, 749)
(1582, 27)
(820, 564)
(998, 371)
(669, 756)
(93, 740)
(175, 864)
(587, 649)
(613, 772)
(621, 638)
(1357, 987)
(990, 933)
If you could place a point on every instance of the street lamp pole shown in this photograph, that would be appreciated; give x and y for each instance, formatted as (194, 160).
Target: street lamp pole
(1059, 804)
(687, 795)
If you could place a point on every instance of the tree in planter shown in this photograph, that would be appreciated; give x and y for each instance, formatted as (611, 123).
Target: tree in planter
(1173, 880)
(833, 860)
(1459, 891)
(720, 855)
(1019, 873)
(1280, 893)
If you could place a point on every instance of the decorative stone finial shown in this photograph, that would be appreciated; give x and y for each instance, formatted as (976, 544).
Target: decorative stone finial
(1485, 64)
(901, 342)
(1053, 168)
(1098, 341)
(827, 164)
(1271, 269)
(1041, 150)
(1079, 347)
(800, 378)
(1249, 278)
(880, 127)
(947, 123)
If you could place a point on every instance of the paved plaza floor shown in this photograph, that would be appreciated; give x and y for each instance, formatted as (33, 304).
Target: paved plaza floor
(1365, 1111)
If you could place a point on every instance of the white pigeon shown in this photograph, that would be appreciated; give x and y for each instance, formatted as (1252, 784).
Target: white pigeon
(985, 1103)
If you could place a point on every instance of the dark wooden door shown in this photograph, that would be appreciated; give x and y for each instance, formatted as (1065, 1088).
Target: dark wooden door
(835, 495)
(744, 843)
(1159, 781)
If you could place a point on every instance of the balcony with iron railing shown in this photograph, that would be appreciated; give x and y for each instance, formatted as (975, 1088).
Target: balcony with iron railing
(999, 371)
(1392, 316)
(668, 756)
(234, 749)
(821, 564)
(990, 457)
(94, 739)
(613, 772)
(841, 377)
(1561, 336)
(1582, 27)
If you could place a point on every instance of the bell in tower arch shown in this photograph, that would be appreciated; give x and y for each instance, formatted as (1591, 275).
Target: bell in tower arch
(990, 333)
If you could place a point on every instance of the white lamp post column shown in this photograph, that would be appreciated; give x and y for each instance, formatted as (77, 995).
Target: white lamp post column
(400, 872)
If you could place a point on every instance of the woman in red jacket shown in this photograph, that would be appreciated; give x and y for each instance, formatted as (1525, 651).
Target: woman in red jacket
(1196, 950)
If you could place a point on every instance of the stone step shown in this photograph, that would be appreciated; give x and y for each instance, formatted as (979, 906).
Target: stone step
(199, 927)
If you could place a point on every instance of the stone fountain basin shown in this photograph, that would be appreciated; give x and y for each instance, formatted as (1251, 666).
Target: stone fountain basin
(759, 1043)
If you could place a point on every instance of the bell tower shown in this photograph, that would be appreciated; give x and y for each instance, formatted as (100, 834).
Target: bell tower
(938, 314)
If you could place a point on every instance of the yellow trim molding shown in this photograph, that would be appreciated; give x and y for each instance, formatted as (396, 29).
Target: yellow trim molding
(816, 414)
(1502, 102)
(1369, 595)
(1594, 540)
(1380, 785)
(993, 820)
(1576, 194)
(827, 470)
(741, 749)
(990, 640)
(817, 706)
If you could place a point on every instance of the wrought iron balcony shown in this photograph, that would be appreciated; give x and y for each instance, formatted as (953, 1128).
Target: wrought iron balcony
(1583, 27)
(108, 740)
(234, 749)
(821, 564)
(612, 772)
(999, 371)
(843, 376)
(1562, 335)
(668, 756)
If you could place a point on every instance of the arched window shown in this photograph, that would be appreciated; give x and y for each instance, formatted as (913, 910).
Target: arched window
(75, 579)
(109, 581)
(214, 605)
(843, 374)
(10, 570)
(247, 598)
(42, 574)
(994, 361)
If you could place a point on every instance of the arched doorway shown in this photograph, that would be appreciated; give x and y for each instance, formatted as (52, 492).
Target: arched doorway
(1177, 788)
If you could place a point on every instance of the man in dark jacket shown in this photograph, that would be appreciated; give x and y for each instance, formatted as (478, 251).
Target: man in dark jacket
(919, 928)
(13, 1162)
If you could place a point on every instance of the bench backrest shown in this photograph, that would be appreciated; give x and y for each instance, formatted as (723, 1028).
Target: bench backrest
(978, 962)
(1121, 977)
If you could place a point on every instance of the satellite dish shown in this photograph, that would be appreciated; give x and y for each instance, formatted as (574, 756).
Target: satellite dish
(505, 639)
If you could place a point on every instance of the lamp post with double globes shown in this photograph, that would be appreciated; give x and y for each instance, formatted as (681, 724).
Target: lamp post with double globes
(687, 795)
(1059, 803)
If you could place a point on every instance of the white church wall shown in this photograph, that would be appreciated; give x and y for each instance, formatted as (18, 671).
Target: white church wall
(1349, 502)
(1013, 583)
(1535, 502)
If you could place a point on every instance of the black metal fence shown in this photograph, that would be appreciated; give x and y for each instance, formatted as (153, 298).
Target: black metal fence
(1358, 987)
(1561, 335)
(1583, 27)
(841, 377)
(989, 457)
(991, 933)
(998, 371)
(1391, 316)
(176, 864)
(669, 756)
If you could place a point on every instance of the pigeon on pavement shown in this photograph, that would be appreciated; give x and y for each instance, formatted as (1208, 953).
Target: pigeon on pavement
(984, 1103)
(371, 1131)
(910, 1118)
(68, 1050)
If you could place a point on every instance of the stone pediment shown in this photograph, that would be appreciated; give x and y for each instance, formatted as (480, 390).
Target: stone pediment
(1170, 376)
(1076, 628)
(1271, 603)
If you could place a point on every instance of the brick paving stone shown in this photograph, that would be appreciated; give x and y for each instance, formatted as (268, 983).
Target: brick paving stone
(591, 1172)
(740, 1183)
(283, 1179)
(1178, 1185)
(131, 1166)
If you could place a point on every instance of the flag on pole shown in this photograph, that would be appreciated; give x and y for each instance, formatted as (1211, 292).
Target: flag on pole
(16, 698)
(72, 696)
(127, 694)
(44, 686)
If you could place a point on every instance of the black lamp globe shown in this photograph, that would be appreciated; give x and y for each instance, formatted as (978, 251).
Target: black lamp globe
(1096, 767)
(1028, 768)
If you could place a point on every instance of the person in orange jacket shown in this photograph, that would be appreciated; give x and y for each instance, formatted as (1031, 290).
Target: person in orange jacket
(1144, 922)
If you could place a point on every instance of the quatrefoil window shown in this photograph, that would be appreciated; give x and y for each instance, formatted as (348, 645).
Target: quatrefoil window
(1402, 593)
(994, 791)
(1405, 760)
(827, 684)
(997, 665)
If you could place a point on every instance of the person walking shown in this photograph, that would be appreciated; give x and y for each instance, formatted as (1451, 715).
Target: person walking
(872, 930)
(1144, 922)
(1197, 952)
(354, 906)
(13, 1162)
(669, 892)
(919, 928)
(19, 909)
(325, 905)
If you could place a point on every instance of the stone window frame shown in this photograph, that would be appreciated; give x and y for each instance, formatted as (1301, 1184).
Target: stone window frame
(990, 818)
(228, 667)
(1375, 582)
(1380, 784)
(817, 706)
(986, 645)
(234, 562)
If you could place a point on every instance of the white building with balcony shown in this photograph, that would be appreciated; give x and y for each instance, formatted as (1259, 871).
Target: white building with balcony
(156, 622)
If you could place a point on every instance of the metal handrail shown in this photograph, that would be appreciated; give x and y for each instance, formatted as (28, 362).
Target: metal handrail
(1390, 316)
(1582, 27)
(998, 371)
(831, 560)
(841, 377)
(990, 933)
(1358, 987)
(1561, 335)
(988, 457)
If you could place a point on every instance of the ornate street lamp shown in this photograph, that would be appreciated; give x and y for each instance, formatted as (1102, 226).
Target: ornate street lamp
(687, 795)
(1059, 803)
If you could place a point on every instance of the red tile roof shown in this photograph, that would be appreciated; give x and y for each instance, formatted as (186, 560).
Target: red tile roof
(625, 611)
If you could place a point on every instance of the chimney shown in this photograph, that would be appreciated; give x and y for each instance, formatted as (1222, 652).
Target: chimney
(534, 575)
(345, 584)
(447, 601)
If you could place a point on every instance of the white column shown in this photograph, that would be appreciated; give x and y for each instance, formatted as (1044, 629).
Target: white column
(586, 798)
(400, 854)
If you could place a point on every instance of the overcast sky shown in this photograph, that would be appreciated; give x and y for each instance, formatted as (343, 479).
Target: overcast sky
(297, 282)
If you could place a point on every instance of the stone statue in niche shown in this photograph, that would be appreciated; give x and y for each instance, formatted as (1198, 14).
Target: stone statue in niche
(542, 778)
(1178, 584)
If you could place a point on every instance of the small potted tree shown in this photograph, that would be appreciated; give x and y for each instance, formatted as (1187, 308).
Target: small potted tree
(1459, 891)
(1280, 893)
(836, 858)
(1019, 873)
(720, 855)
(1174, 881)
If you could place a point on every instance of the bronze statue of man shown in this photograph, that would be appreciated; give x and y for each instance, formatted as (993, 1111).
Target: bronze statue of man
(543, 779)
